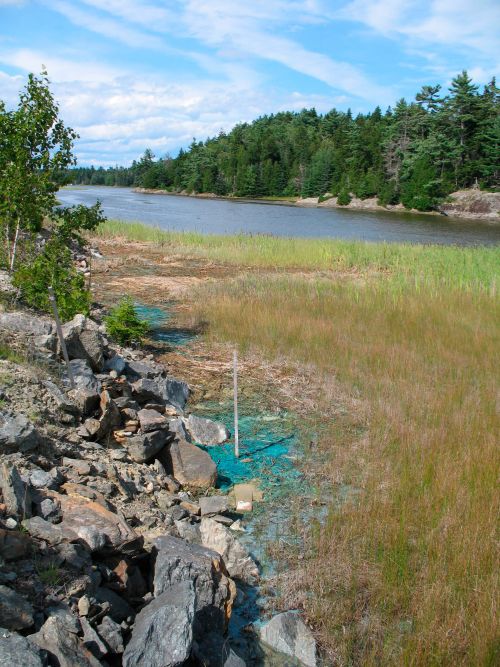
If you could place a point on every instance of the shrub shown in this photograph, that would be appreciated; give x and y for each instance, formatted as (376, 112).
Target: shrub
(53, 267)
(124, 325)
(344, 198)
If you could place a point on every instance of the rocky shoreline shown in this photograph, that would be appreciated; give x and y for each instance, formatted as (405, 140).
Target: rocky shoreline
(470, 204)
(116, 547)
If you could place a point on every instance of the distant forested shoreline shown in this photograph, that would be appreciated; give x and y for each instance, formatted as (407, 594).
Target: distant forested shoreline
(415, 153)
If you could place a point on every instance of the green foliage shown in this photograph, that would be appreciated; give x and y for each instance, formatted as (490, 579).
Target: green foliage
(374, 154)
(124, 325)
(53, 267)
(69, 222)
(344, 198)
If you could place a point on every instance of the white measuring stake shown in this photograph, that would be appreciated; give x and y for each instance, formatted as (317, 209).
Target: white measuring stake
(235, 383)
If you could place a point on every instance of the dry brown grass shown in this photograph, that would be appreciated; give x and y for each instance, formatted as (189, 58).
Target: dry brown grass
(407, 572)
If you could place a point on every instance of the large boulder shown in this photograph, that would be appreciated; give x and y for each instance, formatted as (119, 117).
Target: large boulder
(16, 613)
(205, 431)
(287, 633)
(189, 465)
(84, 341)
(83, 376)
(151, 420)
(177, 561)
(17, 650)
(17, 433)
(19, 322)
(175, 392)
(143, 447)
(239, 563)
(15, 492)
(65, 649)
(163, 631)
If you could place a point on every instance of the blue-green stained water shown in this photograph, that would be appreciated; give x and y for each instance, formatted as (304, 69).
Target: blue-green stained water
(158, 319)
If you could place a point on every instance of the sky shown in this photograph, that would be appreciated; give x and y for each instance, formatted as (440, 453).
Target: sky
(131, 74)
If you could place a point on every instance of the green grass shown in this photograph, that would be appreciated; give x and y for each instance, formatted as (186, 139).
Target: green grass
(406, 574)
(471, 268)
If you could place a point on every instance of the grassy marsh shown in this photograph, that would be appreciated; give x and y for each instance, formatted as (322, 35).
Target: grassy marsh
(406, 571)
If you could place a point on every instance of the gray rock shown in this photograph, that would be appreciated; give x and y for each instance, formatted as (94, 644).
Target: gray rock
(40, 479)
(110, 417)
(163, 631)
(125, 402)
(50, 532)
(14, 545)
(213, 504)
(17, 650)
(150, 420)
(18, 322)
(119, 608)
(188, 531)
(136, 370)
(142, 448)
(74, 555)
(17, 433)
(206, 431)
(15, 492)
(176, 425)
(189, 464)
(233, 660)
(84, 341)
(239, 563)
(16, 613)
(287, 633)
(146, 390)
(86, 399)
(65, 649)
(83, 376)
(49, 510)
(215, 592)
(111, 633)
(92, 641)
(174, 392)
(65, 615)
(62, 401)
(116, 363)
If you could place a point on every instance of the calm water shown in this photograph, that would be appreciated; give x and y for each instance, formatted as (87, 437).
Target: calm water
(226, 217)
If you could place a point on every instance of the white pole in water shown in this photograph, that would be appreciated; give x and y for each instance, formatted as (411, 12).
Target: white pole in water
(52, 298)
(235, 384)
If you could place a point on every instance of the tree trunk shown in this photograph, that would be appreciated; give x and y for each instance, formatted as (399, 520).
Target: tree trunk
(14, 247)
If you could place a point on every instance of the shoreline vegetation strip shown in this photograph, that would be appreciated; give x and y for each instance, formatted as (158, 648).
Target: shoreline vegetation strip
(472, 268)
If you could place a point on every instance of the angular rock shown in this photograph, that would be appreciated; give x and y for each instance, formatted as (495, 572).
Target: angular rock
(136, 370)
(125, 402)
(239, 563)
(51, 533)
(62, 401)
(65, 649)
(95, 525)
(40, 479)
(19, 322)
(84, 341)
(119, 609)
(13, 545)
(130, 580)
(142, 448)
(147, 390)
(16, 613)
(78, 465)
(111, 633)
(65, 615)
(16, 494)
(49, 510)
(83, 376)
(92, 641)
(163, 631)
(74, 555)
(287, 633)
(188, 531)
(86, 399)
(17, 650)
(189, 465)
(205, 431)
(17, 434)
(215, 592)
(177, 426)
(213, 504)
(116, 363)
(150, 420)
(174, 392)
(110, 417)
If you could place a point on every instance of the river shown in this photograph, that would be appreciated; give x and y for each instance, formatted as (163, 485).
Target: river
(218, 216)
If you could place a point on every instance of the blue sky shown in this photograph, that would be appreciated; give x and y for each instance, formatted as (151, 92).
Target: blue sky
(130, 74)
